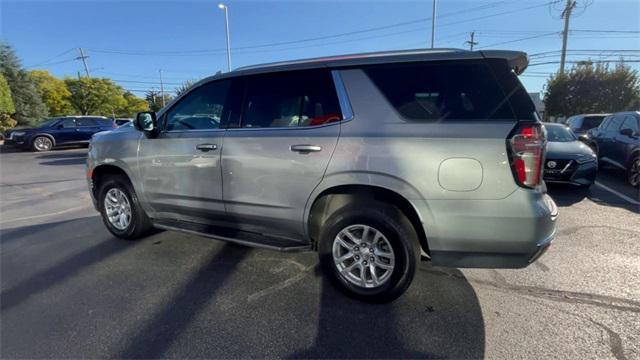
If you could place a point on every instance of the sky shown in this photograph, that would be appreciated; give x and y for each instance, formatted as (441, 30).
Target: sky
(130, 41)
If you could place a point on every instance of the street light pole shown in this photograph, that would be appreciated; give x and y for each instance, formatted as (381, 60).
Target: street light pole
(433, 24)
(226, 31)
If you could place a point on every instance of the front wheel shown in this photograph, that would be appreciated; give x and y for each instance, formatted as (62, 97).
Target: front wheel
(121, 212)
(370, 251)
(42, 143)
(633, 171)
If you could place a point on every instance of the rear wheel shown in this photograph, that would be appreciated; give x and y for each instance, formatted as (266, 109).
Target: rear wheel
(633, 171)
(370, 251)
(121, 212)
(42, 143)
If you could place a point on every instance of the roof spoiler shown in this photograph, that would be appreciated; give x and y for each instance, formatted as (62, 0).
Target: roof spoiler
(517, 60)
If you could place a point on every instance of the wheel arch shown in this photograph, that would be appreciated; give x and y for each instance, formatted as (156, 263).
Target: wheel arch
(100, 172)
(333, 198)
(34, 136)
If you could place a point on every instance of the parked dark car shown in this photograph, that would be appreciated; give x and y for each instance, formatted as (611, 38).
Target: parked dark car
(67, 130)
(580, 124)
(617, 142)
(568, 160)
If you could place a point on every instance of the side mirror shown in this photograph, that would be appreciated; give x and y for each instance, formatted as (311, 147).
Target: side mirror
(627, 132)
(60, 126)
(584, 138)
(146, 122)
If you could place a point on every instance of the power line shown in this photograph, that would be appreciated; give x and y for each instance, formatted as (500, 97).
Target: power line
(521, 39)
(52, 58)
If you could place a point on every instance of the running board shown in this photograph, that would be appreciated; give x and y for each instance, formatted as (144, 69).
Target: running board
(245, 238)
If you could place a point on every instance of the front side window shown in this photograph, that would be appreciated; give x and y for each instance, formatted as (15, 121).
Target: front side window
(68, 123)
(630, 122)
(294, 99)
(445, 91)
(614, 123)
(201, 109)
(591, 122)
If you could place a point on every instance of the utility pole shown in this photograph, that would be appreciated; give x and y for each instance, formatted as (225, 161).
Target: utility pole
(433, 24)
(83, 57)
(566, 14)
(471, 42)
(161, 87)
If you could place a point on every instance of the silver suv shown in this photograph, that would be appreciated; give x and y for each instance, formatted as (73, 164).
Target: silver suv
(374, 161)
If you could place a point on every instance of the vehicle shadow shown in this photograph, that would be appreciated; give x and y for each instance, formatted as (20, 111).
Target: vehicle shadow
(56, 159)
(154, 338)
(40, 281)
(566, 195)
(439, 317)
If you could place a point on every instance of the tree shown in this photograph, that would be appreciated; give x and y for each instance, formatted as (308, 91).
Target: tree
(186, 85)
(95, 96)
(154, 99)
(29, 108)
(133, 105)
(6, 106)
(53, 92)
(589, 88)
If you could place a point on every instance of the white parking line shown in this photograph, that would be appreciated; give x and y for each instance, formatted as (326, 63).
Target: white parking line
(618, 194)
(46, 215)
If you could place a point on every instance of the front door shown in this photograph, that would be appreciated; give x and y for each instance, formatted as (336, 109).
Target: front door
(280, 150)
(85, 128)
(180, 168)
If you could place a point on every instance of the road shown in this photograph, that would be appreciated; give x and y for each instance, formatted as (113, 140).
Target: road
(70, 290)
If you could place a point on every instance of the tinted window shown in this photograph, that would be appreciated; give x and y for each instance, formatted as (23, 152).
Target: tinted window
(48, 123)
(200, 109)
(300, 98)
(591, 122)
(434, 92)
(68, 123)
(614, 123)
(630, 122)
(86, 122)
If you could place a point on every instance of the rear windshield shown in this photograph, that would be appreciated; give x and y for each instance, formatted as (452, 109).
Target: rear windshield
(466, 90)
(591, 122)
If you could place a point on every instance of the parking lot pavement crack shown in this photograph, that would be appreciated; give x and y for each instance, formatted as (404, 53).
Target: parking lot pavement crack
(614, 339)
(281, 285)
(573, 297)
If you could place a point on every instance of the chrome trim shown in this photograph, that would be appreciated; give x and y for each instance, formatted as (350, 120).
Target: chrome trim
(343, 97)
(286, 127)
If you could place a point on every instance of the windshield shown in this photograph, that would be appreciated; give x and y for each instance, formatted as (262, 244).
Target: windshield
(48, 123)
(560, 134)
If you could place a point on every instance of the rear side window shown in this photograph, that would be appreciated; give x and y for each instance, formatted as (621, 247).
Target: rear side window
(86, 122)
(630, 122)
(292, 99)
(591, 122)
(442, 91)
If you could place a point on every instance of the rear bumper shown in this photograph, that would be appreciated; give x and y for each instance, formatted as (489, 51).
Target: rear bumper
(507, 233)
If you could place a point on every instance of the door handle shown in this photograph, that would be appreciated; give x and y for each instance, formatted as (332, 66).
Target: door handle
(305, 148)
(206, 147)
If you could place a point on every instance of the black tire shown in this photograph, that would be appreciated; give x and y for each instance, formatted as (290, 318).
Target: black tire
(139, 225)
(41, 144)
(397, 229)
(633, 171)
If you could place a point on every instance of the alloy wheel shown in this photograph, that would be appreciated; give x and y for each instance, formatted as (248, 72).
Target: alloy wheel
(363, 256)
(117, 208)
(634, 172)
(42, 143)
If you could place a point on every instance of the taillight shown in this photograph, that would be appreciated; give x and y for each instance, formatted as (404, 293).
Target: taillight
(527, 151)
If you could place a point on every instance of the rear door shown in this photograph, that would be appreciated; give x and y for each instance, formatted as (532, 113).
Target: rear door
(85, 128)
(180, 168)
(280, 150)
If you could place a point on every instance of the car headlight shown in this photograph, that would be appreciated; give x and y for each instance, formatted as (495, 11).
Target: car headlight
(585, 158)
(17, 133)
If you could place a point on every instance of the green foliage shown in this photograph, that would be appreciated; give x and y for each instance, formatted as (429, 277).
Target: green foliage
(154, 99)
(6, 102)
(29, 108)
(53, 92)
(133, 105)
(186, 85)
(589, 88)
(95, 96)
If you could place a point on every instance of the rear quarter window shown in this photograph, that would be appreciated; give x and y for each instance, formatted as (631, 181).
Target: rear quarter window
(432, 92)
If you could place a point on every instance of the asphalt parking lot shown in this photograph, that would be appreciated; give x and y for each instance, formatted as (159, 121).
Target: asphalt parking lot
(70, 290)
